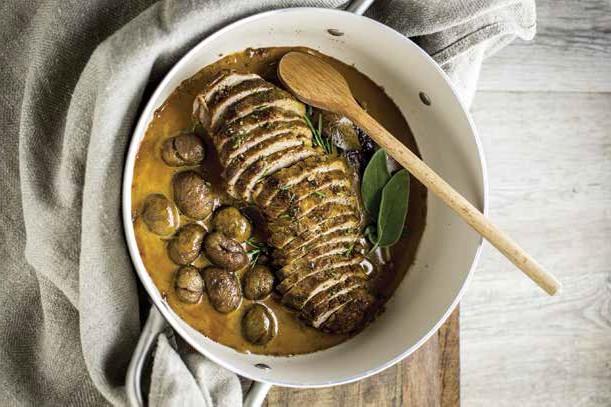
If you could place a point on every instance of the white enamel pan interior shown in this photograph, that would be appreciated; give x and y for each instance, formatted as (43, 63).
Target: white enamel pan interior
(447, 140)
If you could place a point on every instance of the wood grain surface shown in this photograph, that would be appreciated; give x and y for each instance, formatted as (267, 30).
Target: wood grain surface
(571, 52)
(543, 112)
(429, 377)
(549, 160)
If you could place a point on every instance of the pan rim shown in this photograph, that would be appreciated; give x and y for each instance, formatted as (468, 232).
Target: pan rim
(145, 278)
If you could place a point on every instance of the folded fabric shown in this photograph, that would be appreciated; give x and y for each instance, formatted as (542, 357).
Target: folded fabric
(74, 75)
(190, 381)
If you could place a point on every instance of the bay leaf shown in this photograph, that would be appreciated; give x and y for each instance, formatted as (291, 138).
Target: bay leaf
(393, 209)
(376, 175)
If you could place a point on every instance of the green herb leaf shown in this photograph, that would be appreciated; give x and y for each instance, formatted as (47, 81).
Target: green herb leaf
(257, 245)
(292, 197)
(258, 248)
(317, 138)
(393, 209)
(349, 250)
(238, 139)
(374, 178)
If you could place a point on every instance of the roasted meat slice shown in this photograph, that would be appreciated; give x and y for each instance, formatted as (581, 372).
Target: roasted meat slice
(323, 300)
(304, 268)
(304, 170)
(299, 295)
(242, 163)
(313, 219)
(262, 117)
(345, 222)
(243, 107)
(242, 143)
(228, 96)
(225, 79)
(275, 97)
(269, 165)
(300, 269)
(305, 273)
(350, 317)
(338, 247)
(299, 209)
(324, 310)
(285, 228)
(317, 185)
(339, 242)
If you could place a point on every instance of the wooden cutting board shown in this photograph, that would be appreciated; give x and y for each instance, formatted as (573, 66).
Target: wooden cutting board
(429, 377)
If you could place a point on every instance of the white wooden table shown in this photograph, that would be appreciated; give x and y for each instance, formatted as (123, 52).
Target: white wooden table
(544, 113)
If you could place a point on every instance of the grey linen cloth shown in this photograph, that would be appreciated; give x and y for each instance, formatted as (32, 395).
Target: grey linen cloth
(74, 74)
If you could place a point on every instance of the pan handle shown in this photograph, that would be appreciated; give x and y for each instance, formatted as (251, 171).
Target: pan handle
(155, 324)
(256, 394)
(359, 6)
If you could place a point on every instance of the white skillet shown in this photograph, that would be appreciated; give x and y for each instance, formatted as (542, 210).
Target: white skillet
(449, 248)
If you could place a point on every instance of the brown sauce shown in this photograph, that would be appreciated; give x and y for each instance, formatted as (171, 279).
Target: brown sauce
(152, 175)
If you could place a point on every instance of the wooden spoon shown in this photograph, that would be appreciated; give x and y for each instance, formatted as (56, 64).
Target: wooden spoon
(316, 83)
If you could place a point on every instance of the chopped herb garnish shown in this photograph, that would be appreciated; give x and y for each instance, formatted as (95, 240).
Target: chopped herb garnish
(349, 250)
(238, 139)
(317, 138)
(265, 174)
(258, 248)
(292, 211)
(251, 242)
(292, 196)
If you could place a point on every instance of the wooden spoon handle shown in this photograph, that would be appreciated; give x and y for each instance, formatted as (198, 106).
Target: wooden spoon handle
(454, 200)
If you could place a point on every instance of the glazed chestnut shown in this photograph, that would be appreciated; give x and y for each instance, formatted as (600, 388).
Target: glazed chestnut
(187, 244)
(223, 289)
(259, 324)
(185, 149)
(193, 195)
(160, 215)
(232, 224)
(225, 252)
(258, 282)
(189, 284)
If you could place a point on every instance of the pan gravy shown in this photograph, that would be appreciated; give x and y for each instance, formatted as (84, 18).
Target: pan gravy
(152, 175)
